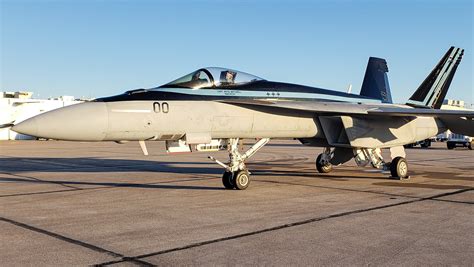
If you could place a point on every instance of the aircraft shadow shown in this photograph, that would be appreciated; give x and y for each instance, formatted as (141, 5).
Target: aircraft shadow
(156, 185)
(90, 164)
(336, 176)
(101, 165)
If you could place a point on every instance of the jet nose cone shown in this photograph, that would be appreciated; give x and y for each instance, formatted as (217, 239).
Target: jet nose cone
(80, 122)
(28, 127)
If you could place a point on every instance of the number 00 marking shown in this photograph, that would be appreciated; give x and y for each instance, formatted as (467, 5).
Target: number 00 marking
(161, 107)
(165, 107)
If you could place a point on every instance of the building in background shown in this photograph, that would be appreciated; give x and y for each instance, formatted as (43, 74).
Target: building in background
(453, 104)
(19, 106)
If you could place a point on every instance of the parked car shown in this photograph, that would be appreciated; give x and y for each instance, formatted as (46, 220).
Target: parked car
(455, 140)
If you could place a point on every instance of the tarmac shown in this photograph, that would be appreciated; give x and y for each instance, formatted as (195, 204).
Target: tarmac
(70, 203)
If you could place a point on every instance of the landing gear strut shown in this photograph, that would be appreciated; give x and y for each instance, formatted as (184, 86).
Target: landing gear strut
(236, 174)
(398, 167)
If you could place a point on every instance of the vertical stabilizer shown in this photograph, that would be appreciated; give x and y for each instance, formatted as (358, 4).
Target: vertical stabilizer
(432, 91)
(375, 83)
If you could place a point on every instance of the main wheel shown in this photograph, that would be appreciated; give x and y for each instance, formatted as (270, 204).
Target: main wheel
(227, 180)
(241, 180)
(471, 145)
(322, 168)
(399, 167)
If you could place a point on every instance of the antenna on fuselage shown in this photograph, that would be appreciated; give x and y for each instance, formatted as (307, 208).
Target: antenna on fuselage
(349, 89)
(143, 147)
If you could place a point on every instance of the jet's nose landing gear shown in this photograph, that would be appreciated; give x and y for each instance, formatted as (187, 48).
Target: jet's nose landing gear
(236, 174)
(238, 179)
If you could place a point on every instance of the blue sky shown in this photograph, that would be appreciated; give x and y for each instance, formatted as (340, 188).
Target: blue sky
(99, 48)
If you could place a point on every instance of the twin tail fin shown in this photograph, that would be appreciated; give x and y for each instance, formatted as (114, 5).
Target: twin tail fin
(375, 83)
(433, 90)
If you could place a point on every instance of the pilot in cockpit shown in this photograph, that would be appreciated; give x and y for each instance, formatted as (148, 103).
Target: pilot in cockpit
(227, 77)
(196, 80)
(196, 76)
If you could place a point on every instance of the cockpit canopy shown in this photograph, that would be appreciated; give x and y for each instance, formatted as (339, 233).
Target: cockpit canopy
(213, 78)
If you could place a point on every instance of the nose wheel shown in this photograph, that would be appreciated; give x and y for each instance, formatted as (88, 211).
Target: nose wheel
(236, 174)
(239, 180)
(227, 180)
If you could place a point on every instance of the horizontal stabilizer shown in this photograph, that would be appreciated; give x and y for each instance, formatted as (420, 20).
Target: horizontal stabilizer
(460, 125)
(459, 121)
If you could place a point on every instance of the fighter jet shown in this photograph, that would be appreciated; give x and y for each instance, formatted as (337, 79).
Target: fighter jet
(214, 109)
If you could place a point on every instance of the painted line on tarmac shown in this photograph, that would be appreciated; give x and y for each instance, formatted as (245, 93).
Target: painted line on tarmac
(40, 180)
(368, 191)
(41, 192)
(337, 188)
(454, 201)
(275, 228)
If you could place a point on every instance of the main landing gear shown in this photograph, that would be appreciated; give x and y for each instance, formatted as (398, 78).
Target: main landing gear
(363, 156)
(236, 174)
(399, 168)
(322, 161)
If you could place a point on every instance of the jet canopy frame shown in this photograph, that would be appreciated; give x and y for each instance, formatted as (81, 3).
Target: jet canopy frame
(211, 78)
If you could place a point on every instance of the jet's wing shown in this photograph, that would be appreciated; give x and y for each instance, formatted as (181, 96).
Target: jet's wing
(339, 108)
(458, 121)
(421, 112)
